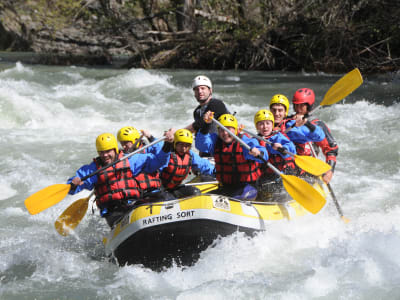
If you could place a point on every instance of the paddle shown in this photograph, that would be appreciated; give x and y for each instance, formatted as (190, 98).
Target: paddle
(200, 183)
(53, 194)
(309, 164)
(72, 216)
(297, 188)
(338, 208)
(335, 201)
(339, 90)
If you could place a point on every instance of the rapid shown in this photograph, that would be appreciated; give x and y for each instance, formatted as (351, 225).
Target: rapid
(50, 117)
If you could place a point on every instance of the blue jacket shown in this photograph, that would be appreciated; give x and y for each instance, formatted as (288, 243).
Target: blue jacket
(303, 134)
(140, 162)
(284, 141)
(206, 143)
(202, 165)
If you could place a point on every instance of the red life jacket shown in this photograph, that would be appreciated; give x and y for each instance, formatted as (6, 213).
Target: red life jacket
(277, 161)
(281, 127)
(177, 170)
(231, 165)
(148, 181)
(116, 183)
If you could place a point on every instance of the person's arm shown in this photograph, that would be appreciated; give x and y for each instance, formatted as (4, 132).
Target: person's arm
(255, 148)
(206, 142)
(279, 140)
(148, 135)
(150, 162)
(201, 164)
(328, 145)
(306, 133)
(88, 184)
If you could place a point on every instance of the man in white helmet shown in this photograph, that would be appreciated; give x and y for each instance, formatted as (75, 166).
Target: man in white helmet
(202, 88)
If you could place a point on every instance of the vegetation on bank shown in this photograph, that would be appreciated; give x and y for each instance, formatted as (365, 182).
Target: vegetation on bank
(314, 35)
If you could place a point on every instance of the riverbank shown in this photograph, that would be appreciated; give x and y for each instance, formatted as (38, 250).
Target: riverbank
(284, 35)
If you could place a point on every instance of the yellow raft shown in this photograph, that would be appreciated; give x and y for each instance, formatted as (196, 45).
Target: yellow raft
(158, 233)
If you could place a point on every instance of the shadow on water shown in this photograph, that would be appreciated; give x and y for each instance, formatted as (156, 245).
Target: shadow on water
(17, 272)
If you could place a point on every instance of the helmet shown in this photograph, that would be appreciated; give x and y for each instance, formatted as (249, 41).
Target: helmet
(280, 99)
(128, 134)
(201, 80)
(183, 136)
(304, 95)
(106, 141)
(228, 120)
(263, 115)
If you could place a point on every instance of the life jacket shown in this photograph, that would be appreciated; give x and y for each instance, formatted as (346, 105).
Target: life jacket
(281, 127)
(231, 165)
(177, 170)
(116, 183)
(277, 161)
(148, 181)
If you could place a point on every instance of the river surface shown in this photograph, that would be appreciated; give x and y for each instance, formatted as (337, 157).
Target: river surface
(50, 117)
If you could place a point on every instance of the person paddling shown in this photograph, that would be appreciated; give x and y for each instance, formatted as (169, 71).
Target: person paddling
(181, 162)
(264, 123)
(298, 129)
(269, 182)
(120, 185)
(303, 102)
(237, 168)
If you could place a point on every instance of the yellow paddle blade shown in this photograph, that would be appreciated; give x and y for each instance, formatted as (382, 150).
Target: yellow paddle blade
(303, 193)
(312, 165)
(72, 216)
(343, 87)
(46, 198)
(346, 220)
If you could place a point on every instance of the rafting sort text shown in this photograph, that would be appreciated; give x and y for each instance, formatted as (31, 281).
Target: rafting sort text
(178, 215)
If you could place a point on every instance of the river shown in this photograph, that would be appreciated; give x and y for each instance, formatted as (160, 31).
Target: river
(50, 117)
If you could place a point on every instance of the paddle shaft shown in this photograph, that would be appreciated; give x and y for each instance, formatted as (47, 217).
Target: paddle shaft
(282, 150)
(122, 158)
(200, 183)
(335, 201)
(338, 91)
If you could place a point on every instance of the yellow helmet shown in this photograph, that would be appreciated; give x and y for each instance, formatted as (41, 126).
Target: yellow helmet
(228, 121)
(106, 141)
(262, 115)
(128, 134)
(280, 99)
(183, 136)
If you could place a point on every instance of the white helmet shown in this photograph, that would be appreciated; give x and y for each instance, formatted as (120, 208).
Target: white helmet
(201, 80)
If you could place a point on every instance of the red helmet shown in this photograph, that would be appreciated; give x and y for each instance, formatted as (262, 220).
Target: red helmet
(304, 95)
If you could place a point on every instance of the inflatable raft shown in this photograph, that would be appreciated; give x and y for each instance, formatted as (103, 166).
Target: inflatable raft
(160, 233)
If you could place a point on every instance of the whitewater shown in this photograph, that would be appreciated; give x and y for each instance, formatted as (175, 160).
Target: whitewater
(50, 117)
